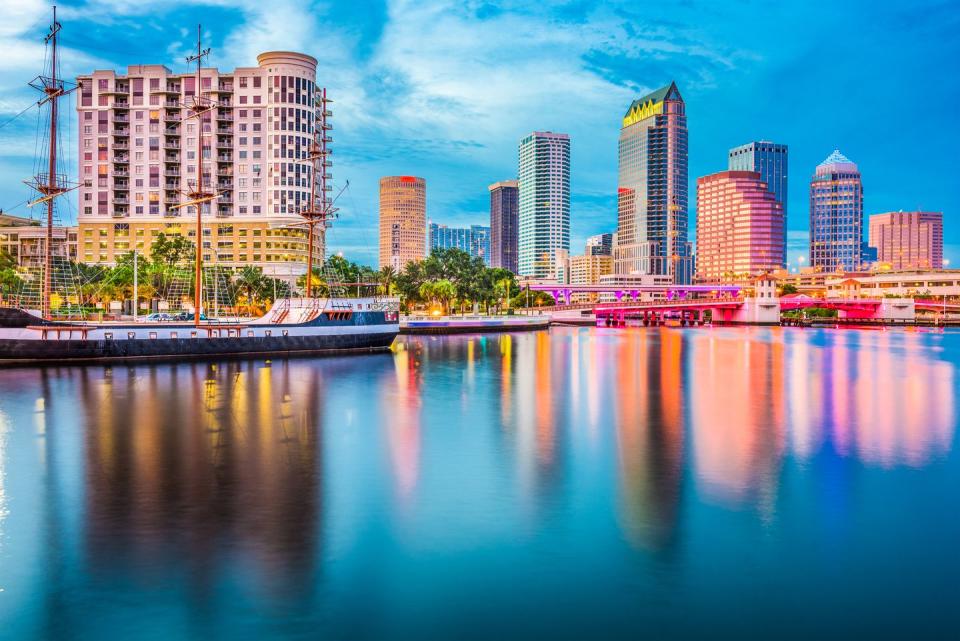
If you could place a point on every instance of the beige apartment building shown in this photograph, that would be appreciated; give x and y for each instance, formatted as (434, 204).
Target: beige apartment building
(138, 158)
(403, 221)
(25, 239)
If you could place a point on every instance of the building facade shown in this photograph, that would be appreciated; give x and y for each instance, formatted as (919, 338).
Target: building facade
(544, 201)
(652, 188)
(24, 240)
(599, 245)
(739, 227)
(138, 160)
(587, 269)
(504, 224)
(907, 240)
(769, 159)
(403, 221)
(836, 216)
(475, 240)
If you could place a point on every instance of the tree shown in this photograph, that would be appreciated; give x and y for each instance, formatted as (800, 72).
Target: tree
(788, 288)
(250, 281)
(386, 277)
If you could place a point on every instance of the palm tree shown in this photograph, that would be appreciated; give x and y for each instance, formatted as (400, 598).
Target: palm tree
(250, 281)
(386, 277)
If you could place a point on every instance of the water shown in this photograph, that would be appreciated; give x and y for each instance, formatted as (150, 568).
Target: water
(581, 483)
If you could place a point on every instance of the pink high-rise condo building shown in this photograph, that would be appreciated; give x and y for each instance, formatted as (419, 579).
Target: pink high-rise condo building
(138, 158)
(908, 240)
(739, 227)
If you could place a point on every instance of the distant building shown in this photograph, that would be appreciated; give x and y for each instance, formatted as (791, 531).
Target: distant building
(652, 188)
(769, 159)
(403, 220)
(504, 224)
(836, 216)
(739, 227)
(544, 197)
(907, 240)
(599, 245)
(475, 240)
(582, 270)
(25, 239)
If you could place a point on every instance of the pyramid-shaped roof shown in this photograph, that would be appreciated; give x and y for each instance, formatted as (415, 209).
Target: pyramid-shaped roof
(670, 92)
(835, 158)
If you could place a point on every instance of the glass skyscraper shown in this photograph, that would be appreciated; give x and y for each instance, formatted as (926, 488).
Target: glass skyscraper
(836, 215)
(544, 196)
(504, 224)
(652, 188)
(769, 159)
(475, 240)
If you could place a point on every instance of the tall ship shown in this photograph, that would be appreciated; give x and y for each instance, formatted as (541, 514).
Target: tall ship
(292, 326)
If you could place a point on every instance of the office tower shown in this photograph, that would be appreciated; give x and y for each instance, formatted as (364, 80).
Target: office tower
(599, 245)
(403, 221)
(739, 227)
(137, 158)
(652, 188)
(480, 242)
(769, 159)
(504, 224)
(475, 240)
(544, 197)
(908, 240)
(836, 215)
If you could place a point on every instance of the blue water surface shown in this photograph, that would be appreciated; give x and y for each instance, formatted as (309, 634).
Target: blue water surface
(577, 483)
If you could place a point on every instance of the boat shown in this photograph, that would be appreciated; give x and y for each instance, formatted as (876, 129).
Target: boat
(293, 326)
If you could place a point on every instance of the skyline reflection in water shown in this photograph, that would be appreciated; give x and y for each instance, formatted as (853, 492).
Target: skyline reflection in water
(470, 485)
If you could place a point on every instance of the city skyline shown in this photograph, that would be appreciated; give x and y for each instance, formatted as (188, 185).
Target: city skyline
(734, 93)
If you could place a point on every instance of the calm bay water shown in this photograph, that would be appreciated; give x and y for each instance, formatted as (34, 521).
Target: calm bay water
(581, 483)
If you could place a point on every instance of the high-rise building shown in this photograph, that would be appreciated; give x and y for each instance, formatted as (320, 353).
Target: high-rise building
(769, 159)
(652, 188)
(599, 245)
(836, 215)
(475, 240)
(544, 197)
(504, 224)
(137, 159)
(480, 242)
(403, 221)
(739, 227)
(908, 240)
(587, 269)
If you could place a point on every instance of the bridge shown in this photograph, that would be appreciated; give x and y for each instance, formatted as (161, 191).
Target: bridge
(653, 304)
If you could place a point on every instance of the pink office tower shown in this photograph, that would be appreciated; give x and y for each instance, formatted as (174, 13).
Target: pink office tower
(908, 240)
(739, 227)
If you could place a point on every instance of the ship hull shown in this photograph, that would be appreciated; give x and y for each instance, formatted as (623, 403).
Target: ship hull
(32, 352)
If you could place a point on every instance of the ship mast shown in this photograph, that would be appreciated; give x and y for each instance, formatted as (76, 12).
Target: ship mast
(198, 195)
(320, 209)
(50, 186)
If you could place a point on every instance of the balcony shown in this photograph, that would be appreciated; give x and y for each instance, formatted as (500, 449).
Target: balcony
(119, 185)
(225, 158)
(225, 131)
(121, 131)
(121, 172)
(172, 174)
(123, 159)
(121, 118)
(123, 144)
(171, 158)
(172, 104)
(121, 200)
(225, 184)
(226, 117)
(170, 146)
(225, 87)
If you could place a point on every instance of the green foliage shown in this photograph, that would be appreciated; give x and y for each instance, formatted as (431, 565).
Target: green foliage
(535, 298)
(788, 288)
(472, 280)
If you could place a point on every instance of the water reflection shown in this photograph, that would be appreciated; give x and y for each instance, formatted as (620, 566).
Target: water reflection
(200, 466)
(352, 495)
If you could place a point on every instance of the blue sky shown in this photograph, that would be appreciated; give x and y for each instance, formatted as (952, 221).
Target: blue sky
(445, 90)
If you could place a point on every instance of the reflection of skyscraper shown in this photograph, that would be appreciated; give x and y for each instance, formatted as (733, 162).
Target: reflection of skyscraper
(544, 194)
(836, 215)
(652, 188)
(769, 159)
(504, 224)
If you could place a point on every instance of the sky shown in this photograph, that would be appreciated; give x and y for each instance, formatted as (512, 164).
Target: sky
(445, 90)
